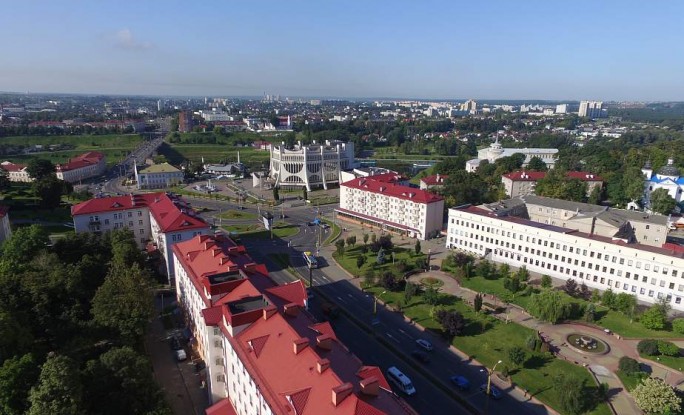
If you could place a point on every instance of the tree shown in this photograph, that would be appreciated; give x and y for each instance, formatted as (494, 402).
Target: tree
(596, 195)
(388, 281)
(654, 318)
(666, 348)
(124, 302)
(648, 347)
(584, 291)
(522, 274)
(381, 257)
(360, 260)
(570, 393)
(40, 168)
(49, 190)
(410, 289)
(629, 366)
(365, 238)
(655, 396)
(351, 240)
(462, 187)
(451, 321)
(339, 244)
(608, 298)
(548, 306)
(570, 287)
(369, 277)
(590, 313)
(417, 247)
(477, 302)
(24, 244)
(517, 356)
(632, 184)
(17, 375)
(431, 295)
(678, 325)
(59, 389)
(305, 194)
(512, 284)
(374, 238)
(546, 281)
(662, 202)
(536, 164)
(4, 180)
(125, 251)
(276, 196)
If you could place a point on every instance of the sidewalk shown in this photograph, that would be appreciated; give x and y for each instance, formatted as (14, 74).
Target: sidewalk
(557, 334)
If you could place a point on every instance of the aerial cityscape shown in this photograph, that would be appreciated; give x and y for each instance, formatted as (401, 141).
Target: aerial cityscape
(341, 208)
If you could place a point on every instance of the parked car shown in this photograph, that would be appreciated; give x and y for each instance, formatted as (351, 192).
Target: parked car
(424, 344)
(461, 382)
(421, 356)
(180, 355)
(494, 392)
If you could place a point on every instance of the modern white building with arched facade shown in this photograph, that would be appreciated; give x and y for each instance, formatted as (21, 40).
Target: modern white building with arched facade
(310, 166)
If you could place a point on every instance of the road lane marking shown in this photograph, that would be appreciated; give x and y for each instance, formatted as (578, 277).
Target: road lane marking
(340, 298)
(405, 334)
(392, 337)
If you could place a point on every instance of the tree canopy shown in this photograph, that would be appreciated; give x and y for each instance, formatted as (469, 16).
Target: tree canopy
(655, 396)
(662, 202)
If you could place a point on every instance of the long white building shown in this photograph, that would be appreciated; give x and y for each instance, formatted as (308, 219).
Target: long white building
(311, 166)
(84, 166)
(496, 151)
(648, 272)
(378, 200)
(264, 353)
(158, 220)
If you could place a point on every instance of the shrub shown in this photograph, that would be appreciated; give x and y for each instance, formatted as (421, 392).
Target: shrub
(546, 281)
(629, 366)
(533, 342)
(388, 281)
(452, 322)
(477, 302)
(678, 325)
(653, 318)
(668, 348)
(648, 347)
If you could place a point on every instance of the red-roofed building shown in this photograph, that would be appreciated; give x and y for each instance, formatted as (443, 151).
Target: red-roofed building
(16, 172)
(5, 229)
(417, 213)
(84, 166)
(521, 183)
(263, 352)
(157, 218)
(431, 182)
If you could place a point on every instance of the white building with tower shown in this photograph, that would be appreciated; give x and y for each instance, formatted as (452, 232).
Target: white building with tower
(496, 151)
(310, 166)
(668, 178)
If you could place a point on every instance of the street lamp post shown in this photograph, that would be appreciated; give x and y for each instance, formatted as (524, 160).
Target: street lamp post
(375, 302)
(489, 378)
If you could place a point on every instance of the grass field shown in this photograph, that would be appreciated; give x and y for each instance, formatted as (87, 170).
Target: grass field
(348, 260)
(488, 340)
(237, 214)
(213, 153)
(631, 381)
(280, 230)
(674, 362)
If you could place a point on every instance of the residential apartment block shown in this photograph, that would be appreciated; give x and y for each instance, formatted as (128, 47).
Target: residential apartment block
(592, 109)
(84, 166)
(158, 220)
(264, 353)
(157, 176)
(520, 183)
(403, 209)
(596, 246)
(432, 182)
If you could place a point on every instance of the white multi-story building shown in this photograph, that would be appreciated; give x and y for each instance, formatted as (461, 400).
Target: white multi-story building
(520, 183)
(158, 176)
(650, 273)
(263, 353)
(495, 151)
(562, 109)
(85, 166)
(311, 166)
(591, 109)
(5, 228)
(156, 220)
(668, 178)
(16, 172)
(417, 213)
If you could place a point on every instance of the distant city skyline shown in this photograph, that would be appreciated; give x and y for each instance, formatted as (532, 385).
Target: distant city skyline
(440, 50)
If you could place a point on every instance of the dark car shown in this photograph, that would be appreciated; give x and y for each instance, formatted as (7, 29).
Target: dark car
(421, 356)
(494, 392)
(460, 382)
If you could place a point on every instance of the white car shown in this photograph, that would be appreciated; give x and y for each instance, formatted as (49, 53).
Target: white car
(424, 344)
(180, 355)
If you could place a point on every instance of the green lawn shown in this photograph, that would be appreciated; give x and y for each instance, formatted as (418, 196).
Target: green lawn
(348, 260)
(237, 214)
(334, 233)
(674, 362)
(496, 288)
(631, 381)
(213, 153)
(488, 339)
(280, 230)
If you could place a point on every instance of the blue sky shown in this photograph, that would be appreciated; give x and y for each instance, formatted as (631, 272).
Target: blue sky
(496, 49)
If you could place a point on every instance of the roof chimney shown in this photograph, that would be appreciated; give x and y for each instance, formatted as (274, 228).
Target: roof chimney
(322, 365)
(370, 386)
(292, 309)
(300, 344)
(324, 341)
(341, 392)
(224, 260)
(269, 310)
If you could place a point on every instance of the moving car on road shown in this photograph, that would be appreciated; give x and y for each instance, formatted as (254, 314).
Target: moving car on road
(461, 382)
(424, 344)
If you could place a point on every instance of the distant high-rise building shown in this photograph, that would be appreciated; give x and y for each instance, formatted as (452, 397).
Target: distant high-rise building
(591, 109)
(562, 109)
(185, 121)
(470, 106)
(159, 105)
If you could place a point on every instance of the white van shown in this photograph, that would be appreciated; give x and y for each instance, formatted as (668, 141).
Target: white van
(400, 380)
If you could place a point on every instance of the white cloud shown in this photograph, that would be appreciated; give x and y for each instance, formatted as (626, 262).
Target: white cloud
(124, 39)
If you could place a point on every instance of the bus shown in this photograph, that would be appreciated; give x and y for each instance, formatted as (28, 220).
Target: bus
(310, 260)
(400, 380)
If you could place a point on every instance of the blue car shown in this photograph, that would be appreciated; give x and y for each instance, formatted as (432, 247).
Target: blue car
(461, 382)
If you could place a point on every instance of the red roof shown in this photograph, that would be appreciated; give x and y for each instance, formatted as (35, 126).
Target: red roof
(369, 184)
(223, 407)
(390, 177)
(435, 180)
(525, 176)
(170, 213)
(584, 176)
(9, 166)
(292, 293)
(84, 160)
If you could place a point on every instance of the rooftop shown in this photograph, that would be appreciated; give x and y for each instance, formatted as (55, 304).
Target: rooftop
(160, 168)
(369, 184)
